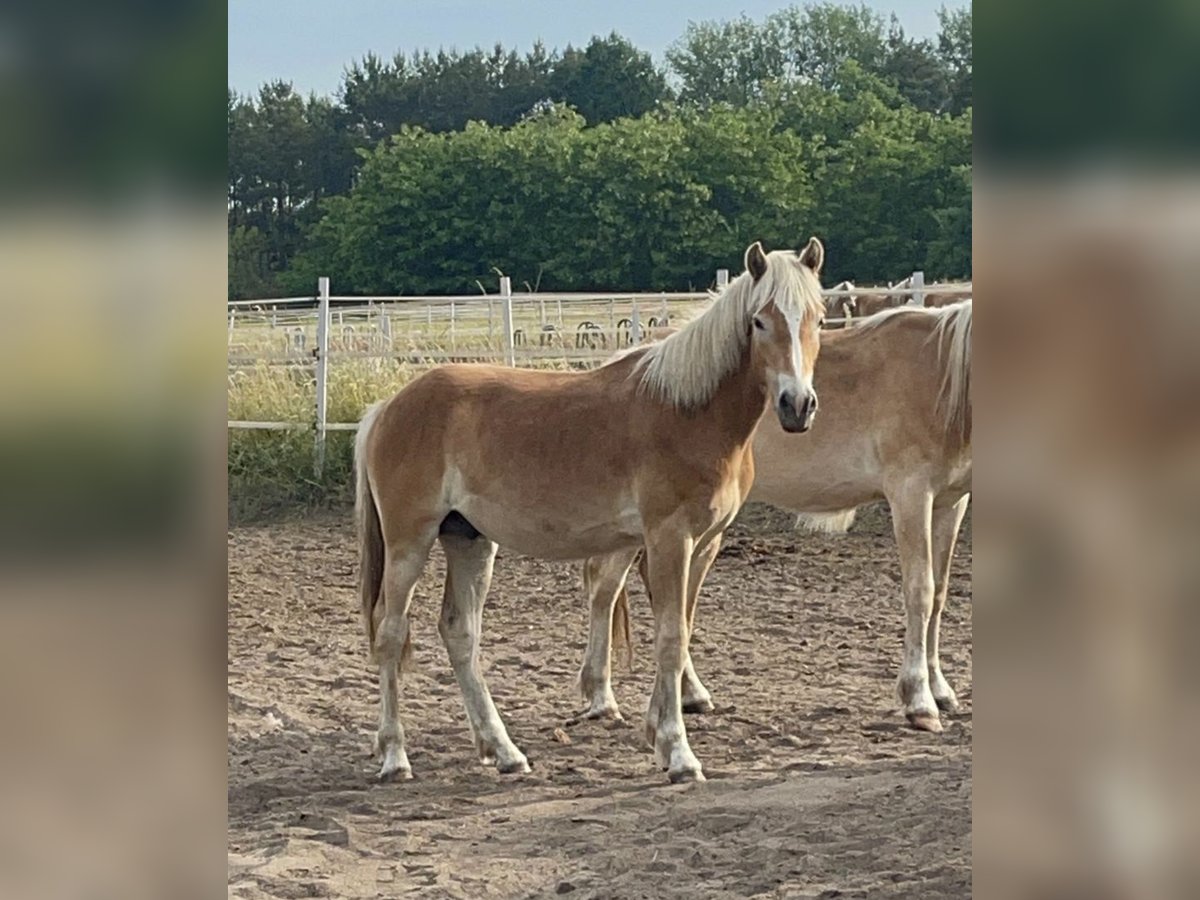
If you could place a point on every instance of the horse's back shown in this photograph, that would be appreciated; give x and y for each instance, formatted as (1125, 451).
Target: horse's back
(526, 428)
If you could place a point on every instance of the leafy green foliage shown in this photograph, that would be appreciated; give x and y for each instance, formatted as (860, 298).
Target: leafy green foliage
(552, 202)
(955, 47)
(585, 170)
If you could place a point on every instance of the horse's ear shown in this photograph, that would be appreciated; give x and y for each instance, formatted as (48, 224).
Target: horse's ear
(756, 260)
(813, 255)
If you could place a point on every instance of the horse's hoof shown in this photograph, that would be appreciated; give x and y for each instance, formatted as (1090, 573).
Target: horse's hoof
(947, 704)
(399, 773)
(925, 721)
(517, 766)
(604, 712)
(695, 707)
(684, 776)
(395, 765)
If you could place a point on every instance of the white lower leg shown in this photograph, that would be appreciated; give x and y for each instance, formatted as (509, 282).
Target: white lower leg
(491, 737)
(913, 685)
(602, 702)
(595, 676)
(912, 517)
(668, 561)
(391, 643)
(604, 579)
(665, 730)
(389, 740)
(468, 575)
(914, 690)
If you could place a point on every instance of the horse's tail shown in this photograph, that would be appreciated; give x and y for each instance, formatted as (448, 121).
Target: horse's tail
(954, 352)
(370, 533)
(622, 634)
(622, 631)
(827, 523)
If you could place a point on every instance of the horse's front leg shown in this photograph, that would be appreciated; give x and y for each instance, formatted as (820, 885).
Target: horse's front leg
(668, 561)
(696, 698)
(603, 579)
(912, 512)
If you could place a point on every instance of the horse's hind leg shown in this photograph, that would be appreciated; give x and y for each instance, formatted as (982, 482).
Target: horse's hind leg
(402, 568)
(946, 522)
(603, 578)
(468, 577)
(912, 510)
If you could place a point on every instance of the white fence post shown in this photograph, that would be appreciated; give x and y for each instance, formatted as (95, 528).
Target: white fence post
(322, 354)
(917, 297)
(385, 328)
(510, 350)
(722, 278)
(635, 326)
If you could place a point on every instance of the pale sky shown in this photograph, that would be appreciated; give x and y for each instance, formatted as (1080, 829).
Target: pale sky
(310, 42)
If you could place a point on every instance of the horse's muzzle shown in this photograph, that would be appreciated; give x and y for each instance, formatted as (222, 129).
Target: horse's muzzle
(796, 413)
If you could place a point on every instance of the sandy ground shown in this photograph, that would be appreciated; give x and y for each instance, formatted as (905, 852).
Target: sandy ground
(816, 786)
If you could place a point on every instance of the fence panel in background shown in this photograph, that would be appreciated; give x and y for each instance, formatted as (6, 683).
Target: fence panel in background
(559, 330)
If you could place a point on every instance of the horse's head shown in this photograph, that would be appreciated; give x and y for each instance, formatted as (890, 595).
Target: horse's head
(785, 330)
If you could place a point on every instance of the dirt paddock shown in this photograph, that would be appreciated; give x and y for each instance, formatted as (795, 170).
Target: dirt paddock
(817, 788)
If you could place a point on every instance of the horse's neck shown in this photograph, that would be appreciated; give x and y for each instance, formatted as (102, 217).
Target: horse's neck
(739, 402)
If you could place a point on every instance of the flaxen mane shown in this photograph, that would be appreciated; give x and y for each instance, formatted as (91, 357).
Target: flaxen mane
(685, 368)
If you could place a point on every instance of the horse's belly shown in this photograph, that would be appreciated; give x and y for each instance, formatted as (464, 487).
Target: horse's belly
(555, 534)
(801, 494)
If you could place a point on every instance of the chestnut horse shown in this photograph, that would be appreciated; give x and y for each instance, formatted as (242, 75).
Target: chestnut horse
(895, 425)
(651, 449)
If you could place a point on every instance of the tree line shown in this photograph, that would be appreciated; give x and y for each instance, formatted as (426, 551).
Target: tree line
(593, 168)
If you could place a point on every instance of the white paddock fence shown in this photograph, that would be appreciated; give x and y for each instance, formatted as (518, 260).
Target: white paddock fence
(534, 329)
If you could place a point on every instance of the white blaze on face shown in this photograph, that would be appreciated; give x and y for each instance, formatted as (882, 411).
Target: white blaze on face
(794, 383)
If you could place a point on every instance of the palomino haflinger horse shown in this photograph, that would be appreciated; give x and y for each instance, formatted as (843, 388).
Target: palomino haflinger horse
(895, 424)
(479, 456)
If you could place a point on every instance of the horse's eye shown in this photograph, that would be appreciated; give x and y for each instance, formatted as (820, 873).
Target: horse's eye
(759, 324)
